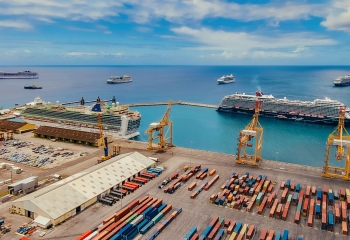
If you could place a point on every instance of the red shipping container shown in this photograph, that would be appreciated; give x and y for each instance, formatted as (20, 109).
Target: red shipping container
(240, 237)
(212, 233)
(198, 175)
(282, 185)
(313, 190)
(227, 223)
(203, 176)
(133, 204)
(308, 190)
(174, 175)
(278, 211)
(263, 234)
(270, 188)
(195, 236)
(213, 221)
(190, 188)
(310, 220)
(297, 217)
(231, 227)
(250, 232)
(344, 227)
(344, 215)
(167, 209)
(271, 234)
(325, 189)
(193, 195)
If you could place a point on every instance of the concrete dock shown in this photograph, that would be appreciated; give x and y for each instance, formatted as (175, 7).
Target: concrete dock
(174, 103)
(199, 212)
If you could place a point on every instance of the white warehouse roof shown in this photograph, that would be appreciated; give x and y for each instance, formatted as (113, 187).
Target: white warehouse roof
(67, 194)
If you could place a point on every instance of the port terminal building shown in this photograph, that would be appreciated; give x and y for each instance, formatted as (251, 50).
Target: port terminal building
(64, 199)
(16, 127)
(69, 135)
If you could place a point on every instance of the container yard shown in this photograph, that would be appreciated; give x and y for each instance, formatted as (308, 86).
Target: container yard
(274, 199)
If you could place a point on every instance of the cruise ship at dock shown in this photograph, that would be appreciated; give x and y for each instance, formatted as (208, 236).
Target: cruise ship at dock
(19, 75)
(324, 111)
(118, 121)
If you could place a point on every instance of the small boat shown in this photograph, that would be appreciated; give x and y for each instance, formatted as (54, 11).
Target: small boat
(32, 87)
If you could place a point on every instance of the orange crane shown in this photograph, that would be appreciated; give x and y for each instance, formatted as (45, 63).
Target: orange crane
(339, 138)
(253, 129)
(162, 130)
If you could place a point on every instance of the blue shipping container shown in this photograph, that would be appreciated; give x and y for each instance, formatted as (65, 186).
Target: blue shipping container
(190, 233)
(238, 227)
(125, 228)
(220, 234)
(207, 231)
(116, 236)
(131, 234)
(162, 207)
(278, 236)
(297, 188)
(202, 237)
(205, 170)
(285, 234)
(142, 224)
(149, 209)
(146, 228)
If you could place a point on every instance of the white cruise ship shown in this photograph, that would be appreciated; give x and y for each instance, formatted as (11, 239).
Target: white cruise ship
(324, 111)
(19, 75)
(117, 79)
(118, 121)
(226, 79)
(342, 81)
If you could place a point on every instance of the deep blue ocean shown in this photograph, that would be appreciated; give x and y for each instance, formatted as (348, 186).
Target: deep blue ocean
(285, 141)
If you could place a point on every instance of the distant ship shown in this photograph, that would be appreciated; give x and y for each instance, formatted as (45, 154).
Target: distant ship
(342, 81)
(32, 87)
(226, 79)
(117, 79)
(19, 75)
(324, 111)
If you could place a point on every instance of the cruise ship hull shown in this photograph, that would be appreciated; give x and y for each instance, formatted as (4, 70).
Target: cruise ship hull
(225, 82)
(115, 82)
(342, 84)
(285, 116)
(19, 77)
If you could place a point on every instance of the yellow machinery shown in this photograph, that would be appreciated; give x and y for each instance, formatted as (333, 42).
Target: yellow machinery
(103, 138)
(253, 129)
(339, 138)
(162, 130)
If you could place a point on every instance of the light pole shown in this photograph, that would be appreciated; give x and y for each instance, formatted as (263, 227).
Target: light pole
(276, 156)
(191, 155)
(121, 200)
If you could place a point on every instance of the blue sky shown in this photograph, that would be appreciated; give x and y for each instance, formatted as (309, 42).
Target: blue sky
(195, 32)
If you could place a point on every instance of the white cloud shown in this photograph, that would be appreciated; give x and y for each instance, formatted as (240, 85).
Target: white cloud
(27, 51)
(15, 24)
(338, 17)
(94, 54)
(273, 54)
(176, 11)
(240, 44)
(300, 49)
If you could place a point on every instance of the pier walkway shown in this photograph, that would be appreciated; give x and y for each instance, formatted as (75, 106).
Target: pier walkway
(174, 103)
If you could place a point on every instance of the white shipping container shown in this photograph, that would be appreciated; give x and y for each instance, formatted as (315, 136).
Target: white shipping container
(137, 220)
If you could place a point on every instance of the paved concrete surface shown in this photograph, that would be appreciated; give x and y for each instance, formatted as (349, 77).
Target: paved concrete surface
(199, 212)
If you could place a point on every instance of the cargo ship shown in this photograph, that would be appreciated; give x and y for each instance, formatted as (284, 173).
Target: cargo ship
(32, 87)
(118, 121)
(117, 79)
(324, 111)
(19, 75)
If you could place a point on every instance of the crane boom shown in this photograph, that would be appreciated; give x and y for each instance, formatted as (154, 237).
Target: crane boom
(253, 129)
(339, 138)
(162, 130)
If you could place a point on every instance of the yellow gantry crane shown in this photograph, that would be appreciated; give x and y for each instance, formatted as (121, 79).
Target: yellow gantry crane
(339, 138)
(103, 139)
(162, 130)
(253, 129)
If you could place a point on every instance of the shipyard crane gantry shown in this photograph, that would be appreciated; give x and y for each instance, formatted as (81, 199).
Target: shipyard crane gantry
(162, 130)
(253, 129)
(103, 139)
(339, 138)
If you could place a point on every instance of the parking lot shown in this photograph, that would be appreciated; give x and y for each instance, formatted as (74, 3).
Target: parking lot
(41, 153)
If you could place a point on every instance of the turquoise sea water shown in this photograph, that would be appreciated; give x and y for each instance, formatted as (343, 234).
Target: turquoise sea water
(295, 142)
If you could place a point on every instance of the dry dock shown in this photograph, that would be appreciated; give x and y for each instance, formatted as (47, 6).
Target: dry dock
(199, 212)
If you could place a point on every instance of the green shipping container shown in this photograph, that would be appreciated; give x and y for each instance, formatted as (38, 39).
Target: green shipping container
(289, 198)
(299, 208)
(157, 217)
(221, 220)
(258, 199)
(131, 218)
